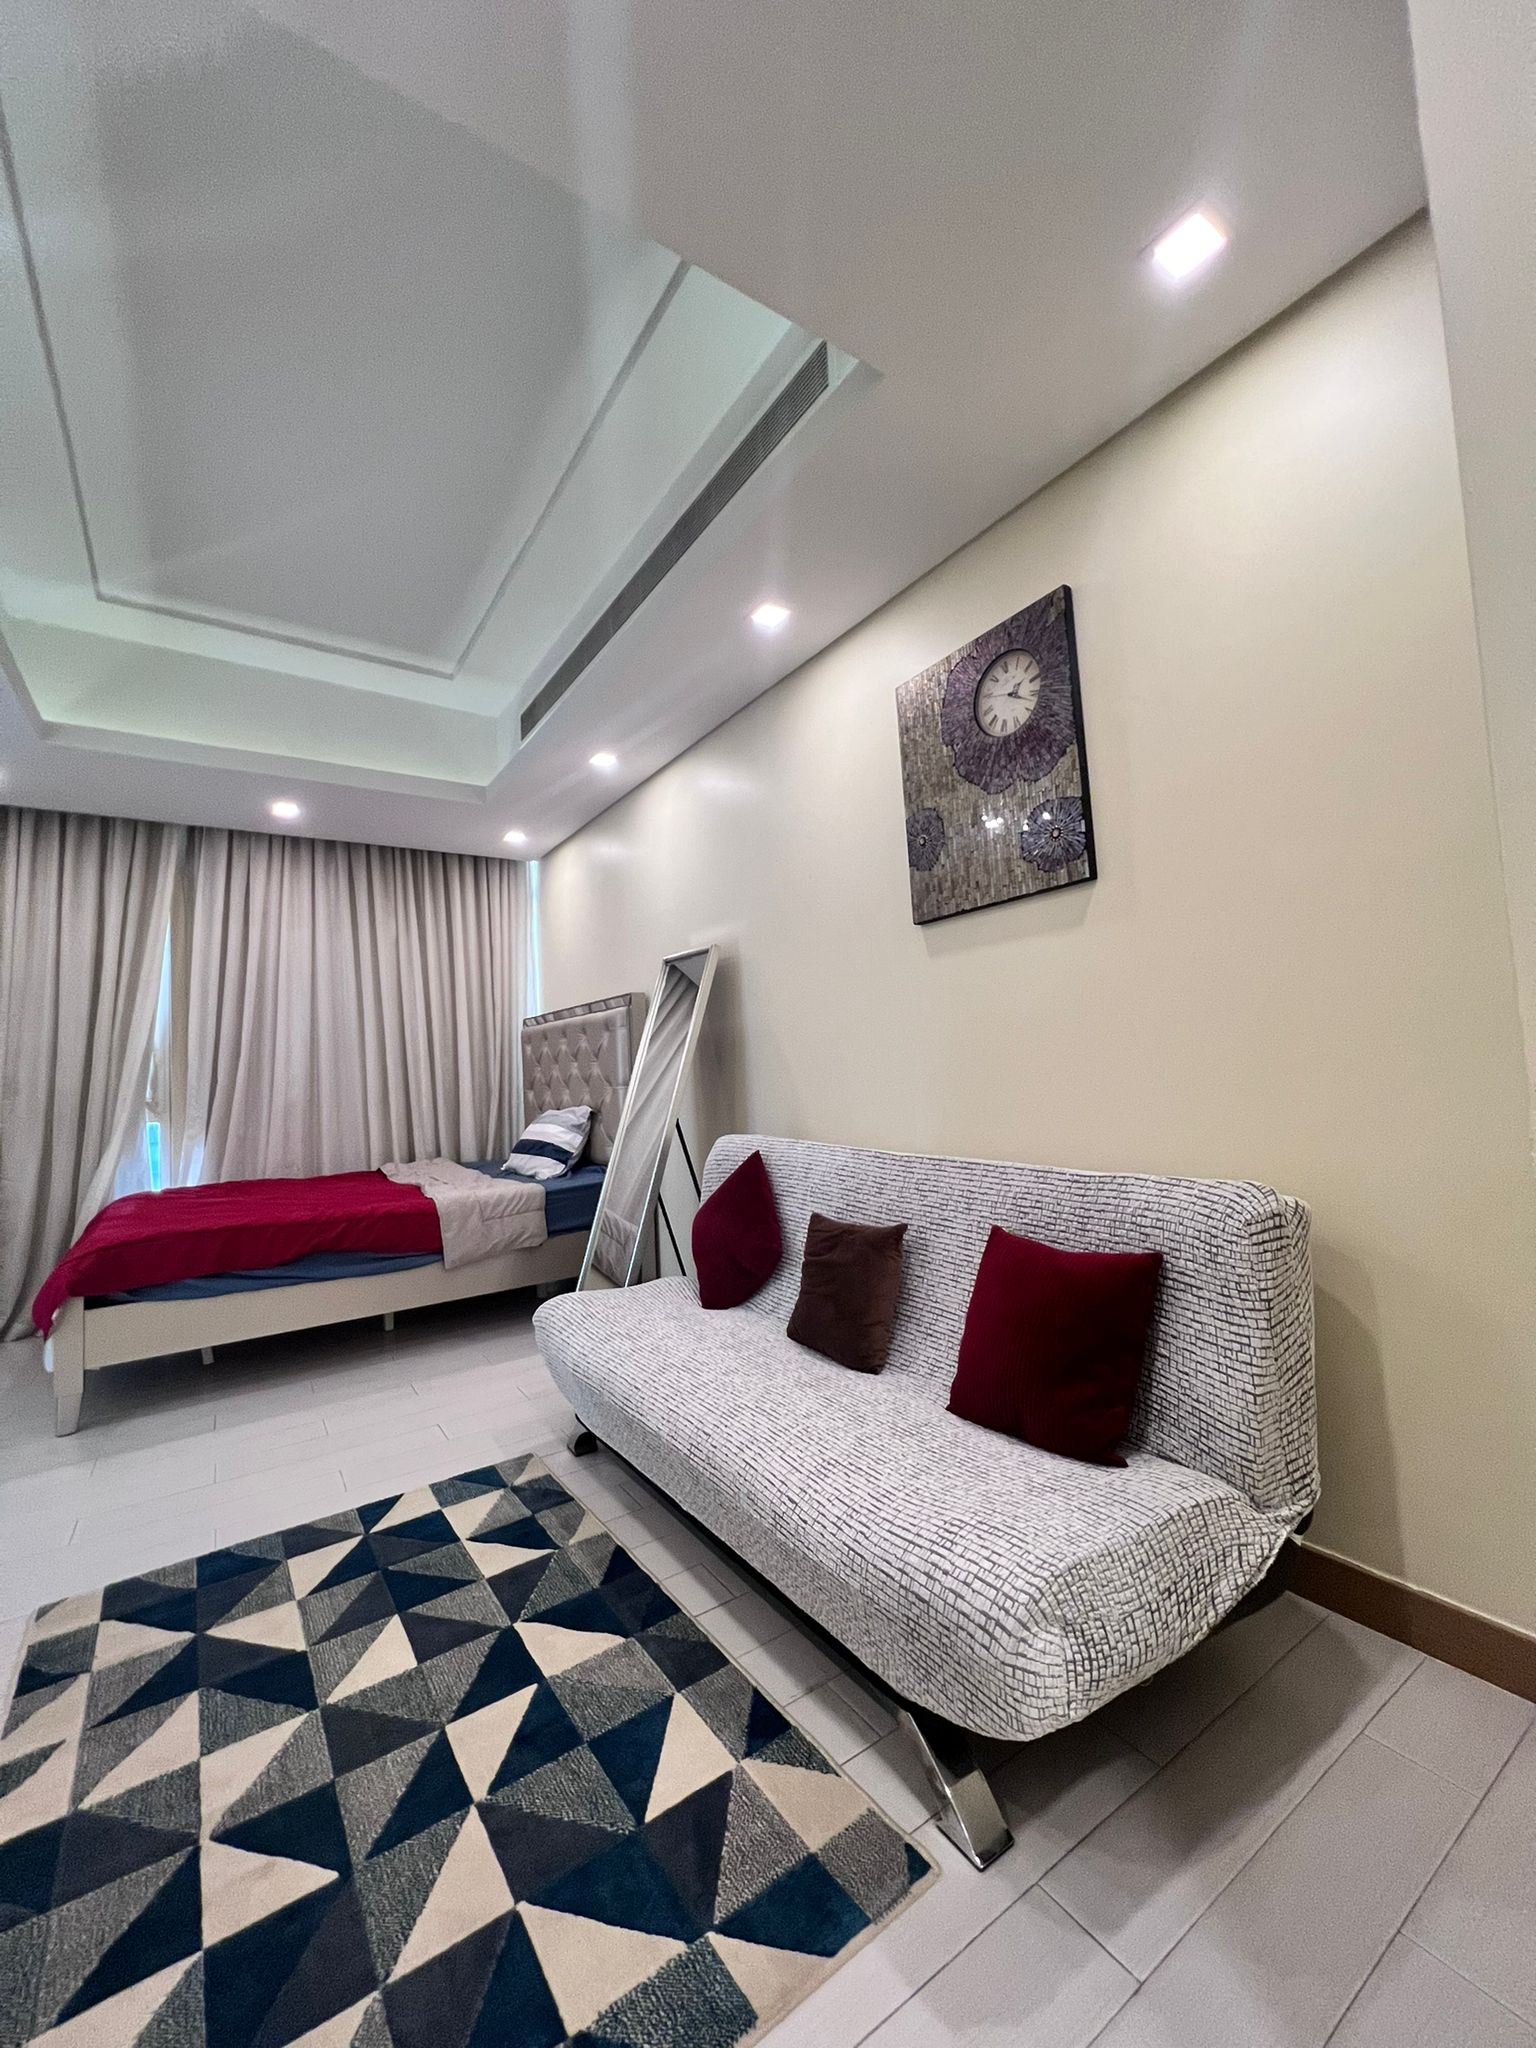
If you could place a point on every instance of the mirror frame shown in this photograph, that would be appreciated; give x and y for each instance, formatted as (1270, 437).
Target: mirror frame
(708, 957)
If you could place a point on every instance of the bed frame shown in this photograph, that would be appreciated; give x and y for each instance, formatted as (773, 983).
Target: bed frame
(569, 1057)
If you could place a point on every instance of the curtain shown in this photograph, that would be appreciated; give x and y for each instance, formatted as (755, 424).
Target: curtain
(84, 904)
(342, 1005)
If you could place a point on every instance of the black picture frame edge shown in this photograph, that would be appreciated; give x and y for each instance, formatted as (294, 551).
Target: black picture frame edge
(1091, 846)
(1001, 902)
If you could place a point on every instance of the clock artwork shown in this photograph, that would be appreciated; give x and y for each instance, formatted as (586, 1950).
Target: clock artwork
(994, 767)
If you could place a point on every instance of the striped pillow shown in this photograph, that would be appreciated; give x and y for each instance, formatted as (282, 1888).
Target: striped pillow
(551, 1145)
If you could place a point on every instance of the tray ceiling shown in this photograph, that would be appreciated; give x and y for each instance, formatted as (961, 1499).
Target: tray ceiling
(357, 358)
(317, 393)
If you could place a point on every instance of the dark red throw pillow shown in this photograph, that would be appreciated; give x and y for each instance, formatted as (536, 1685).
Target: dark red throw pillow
(1054, 1343)
(737, 1243)
(850, 1283)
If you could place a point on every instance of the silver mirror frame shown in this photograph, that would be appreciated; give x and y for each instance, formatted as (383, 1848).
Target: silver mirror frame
(698, 964)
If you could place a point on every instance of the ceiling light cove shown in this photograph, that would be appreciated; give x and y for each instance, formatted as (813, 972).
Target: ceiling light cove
(284, 807)
(605, 761)
(1188, 246)
(770, 617)
(236, 542)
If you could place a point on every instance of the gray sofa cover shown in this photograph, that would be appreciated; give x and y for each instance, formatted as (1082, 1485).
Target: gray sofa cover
(1006, 1589)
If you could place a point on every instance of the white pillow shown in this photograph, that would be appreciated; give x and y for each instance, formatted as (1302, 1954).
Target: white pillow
(551, 1145)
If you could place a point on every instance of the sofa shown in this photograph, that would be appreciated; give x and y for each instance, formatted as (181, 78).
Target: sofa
(1001, 1590)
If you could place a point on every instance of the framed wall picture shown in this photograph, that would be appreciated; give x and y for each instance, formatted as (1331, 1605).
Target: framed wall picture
(994, 768)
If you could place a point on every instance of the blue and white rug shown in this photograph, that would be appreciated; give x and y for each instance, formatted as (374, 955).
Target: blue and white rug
(447, 1771)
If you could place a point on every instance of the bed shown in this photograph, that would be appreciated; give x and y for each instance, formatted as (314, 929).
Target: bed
(578, 1055)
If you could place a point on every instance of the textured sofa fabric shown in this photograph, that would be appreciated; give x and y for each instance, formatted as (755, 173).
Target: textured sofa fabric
(1004, 1588)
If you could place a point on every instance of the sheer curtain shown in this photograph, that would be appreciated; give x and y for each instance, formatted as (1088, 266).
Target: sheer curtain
(84, 904)
(343, 1005)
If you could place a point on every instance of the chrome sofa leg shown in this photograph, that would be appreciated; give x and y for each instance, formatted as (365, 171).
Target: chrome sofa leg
(583, 1443)
(968, 1810)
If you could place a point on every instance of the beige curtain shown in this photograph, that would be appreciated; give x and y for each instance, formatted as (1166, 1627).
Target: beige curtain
(84, 904)
(342, 1005)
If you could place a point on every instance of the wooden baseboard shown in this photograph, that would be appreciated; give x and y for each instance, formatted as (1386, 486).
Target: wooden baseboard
(1472, 1642)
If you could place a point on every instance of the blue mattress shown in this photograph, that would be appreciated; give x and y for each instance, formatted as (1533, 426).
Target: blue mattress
(569, 1204)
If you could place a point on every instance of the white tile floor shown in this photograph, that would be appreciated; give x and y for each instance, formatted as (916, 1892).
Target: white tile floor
(1303, 1834)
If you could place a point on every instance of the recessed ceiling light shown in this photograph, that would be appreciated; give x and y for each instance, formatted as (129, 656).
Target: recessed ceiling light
(514, 838)
(768, 617)
(1188, 246)
(605, 761)
(285, 807)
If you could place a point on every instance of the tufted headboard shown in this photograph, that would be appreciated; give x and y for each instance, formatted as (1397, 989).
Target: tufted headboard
(583, 1054)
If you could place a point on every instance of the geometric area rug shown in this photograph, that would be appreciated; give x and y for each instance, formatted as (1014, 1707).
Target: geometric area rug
(446, 1771)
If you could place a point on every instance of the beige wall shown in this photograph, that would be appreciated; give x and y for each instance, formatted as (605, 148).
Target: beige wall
(1295, 966)
(1477, 115)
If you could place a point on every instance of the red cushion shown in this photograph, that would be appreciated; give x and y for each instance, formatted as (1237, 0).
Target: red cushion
(1054, 1343)
(736, 1240)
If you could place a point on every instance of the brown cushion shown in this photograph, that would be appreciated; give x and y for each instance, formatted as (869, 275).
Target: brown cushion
(850, 1281)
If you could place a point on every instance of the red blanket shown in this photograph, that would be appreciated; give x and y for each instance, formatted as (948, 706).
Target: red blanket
(149, 1240)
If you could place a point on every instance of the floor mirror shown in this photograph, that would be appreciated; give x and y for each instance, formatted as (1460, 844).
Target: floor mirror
(633, 1180)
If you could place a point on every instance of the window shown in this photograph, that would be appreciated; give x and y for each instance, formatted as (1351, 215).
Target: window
(149, 1163)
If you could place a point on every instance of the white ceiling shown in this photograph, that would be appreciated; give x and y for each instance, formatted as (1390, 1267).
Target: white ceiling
(290, 253)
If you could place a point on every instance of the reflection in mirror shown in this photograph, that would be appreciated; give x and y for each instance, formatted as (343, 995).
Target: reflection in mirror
(630, 1185)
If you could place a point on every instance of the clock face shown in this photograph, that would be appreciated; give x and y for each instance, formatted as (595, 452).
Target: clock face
(1007, 692)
